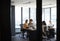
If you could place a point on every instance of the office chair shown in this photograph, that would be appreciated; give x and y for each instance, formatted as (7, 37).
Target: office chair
(21, 25)
(23, 32)
(51, 34)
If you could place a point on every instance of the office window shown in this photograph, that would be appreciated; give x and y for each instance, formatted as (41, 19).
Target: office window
(47, 15)
(43, 15)
(33, 14)
(17, 16)
(25, 14)
(53, 16)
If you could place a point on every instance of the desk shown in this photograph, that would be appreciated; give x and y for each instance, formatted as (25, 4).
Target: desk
(50, 28)
(32, 35)
(51, 31)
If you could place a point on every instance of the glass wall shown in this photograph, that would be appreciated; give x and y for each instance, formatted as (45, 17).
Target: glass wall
(47, 15)
(53, 16)
(17, 17)
(43, 14)
(33, 14)
(25, 14)
(50, 14)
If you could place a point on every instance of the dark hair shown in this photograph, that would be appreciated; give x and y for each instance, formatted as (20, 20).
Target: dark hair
(44, 23)
(31, 20)
(26, 21)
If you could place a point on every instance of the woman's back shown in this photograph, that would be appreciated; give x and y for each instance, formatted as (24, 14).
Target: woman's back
(25, 26)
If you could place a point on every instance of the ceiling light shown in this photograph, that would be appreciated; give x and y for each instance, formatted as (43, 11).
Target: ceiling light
(27, 2)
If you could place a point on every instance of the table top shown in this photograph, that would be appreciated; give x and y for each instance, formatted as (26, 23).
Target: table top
(31, 29)
(51, 28)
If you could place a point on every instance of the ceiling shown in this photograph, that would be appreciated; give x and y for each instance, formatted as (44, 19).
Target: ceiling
(48, 2)
(24, 2)
(32, 2)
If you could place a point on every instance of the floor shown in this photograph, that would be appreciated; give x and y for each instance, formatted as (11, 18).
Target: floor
(18, 37)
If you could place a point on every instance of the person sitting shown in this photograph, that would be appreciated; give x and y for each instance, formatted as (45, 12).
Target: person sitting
(51, 29)
(31, 25)
(44, 29)
(25, 26)
(32, 31)
(50, 25)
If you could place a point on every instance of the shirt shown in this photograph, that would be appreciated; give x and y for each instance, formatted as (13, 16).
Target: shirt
(25, 25)
(32, 26)
(50, 25)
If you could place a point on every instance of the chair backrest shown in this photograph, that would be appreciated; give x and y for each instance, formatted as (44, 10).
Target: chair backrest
(21, 27)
